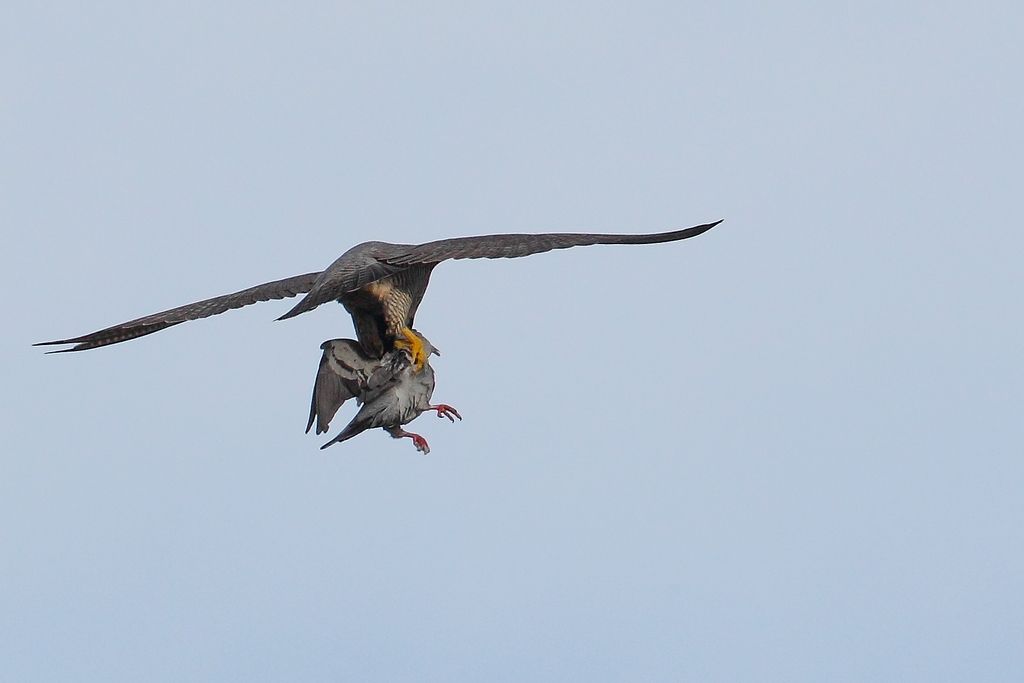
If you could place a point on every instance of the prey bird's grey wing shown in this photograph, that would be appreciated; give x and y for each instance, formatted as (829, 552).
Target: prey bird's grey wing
(342, 375)
(395, 394)
(372, 261)
(140, 327)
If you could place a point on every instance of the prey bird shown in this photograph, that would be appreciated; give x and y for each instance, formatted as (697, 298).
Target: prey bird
(379, 284)
(391, 391)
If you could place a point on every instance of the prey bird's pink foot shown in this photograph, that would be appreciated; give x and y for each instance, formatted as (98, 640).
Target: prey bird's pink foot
(445, 410)
(421, 444)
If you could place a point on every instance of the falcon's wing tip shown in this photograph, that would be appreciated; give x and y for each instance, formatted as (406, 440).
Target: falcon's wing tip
(73, 348)
(55, 342)
(701, 229)
(59, 342)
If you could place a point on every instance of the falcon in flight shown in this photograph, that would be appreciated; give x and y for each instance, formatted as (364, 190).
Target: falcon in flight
(379, 284)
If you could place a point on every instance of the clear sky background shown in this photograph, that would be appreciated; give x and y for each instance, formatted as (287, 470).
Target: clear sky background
(791, 449)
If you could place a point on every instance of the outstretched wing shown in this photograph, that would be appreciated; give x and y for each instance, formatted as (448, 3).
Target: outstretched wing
(515, 246)
(372, 261)
(278, 289)
(360, 266)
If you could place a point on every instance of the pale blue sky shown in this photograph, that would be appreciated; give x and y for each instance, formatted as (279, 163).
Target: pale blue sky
(788, 450)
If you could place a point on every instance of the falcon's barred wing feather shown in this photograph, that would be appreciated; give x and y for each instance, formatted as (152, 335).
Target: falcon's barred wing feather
(360, 266)
(278, 289)
(372, 261)
(517, 245)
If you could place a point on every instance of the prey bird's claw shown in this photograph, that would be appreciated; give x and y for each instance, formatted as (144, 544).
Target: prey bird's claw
(421, 444)
(445, 410)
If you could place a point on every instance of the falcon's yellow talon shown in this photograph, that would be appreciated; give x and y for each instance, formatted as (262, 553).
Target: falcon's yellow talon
(412, 343)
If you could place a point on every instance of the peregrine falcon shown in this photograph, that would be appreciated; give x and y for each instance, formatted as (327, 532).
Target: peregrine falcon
(379, 284)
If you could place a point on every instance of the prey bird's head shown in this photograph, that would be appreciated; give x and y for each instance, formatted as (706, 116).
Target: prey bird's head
(428, 347)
